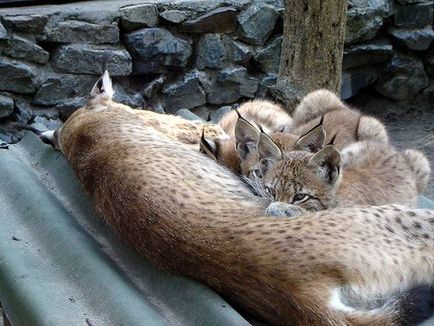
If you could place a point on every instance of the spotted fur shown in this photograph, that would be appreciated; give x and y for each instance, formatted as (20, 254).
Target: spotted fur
(189, 215)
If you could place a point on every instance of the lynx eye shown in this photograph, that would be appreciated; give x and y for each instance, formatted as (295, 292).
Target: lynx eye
(300, 198)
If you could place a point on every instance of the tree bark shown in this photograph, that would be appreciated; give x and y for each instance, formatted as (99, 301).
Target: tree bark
(312, 49)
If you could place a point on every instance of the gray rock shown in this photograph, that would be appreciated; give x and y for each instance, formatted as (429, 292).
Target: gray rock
(19, 77)
(367, 53)
(257, 22)
(49, 113)
(279, 4)
(174, 16)
(6, 106)
(186, 93)
(362, 24)
(188, 115)
(202, 112)
(365, 18)
(92, 59)
(269, 56)
(154, 48)
(267, 81)
(220, 20)
(236, 52)
(102, 13)
(57, 89)
(413, 39)
(22, 48)
(137, 16)
(389, 8)
(231, 84)
(220, 113)
(413, 1)
(381, 6)
(238, 75)
(199, 7)
(24, 109)
(404, 79)
(156, 107)
(429, 93)
(353, 80)
(210, 51)
(40, 122)
(126, 97)
(32, 23)
(3, 144)
(3, 32)
(9, 137)
(27, 110)
(154, 86)
(429, 63)
(68, 107)
(39, 126)
(75, 31)
(416, 15)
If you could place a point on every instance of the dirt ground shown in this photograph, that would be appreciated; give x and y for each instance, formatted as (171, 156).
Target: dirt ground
(410, 125)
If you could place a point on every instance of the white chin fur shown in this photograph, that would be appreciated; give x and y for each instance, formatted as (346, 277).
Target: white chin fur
(49, 135)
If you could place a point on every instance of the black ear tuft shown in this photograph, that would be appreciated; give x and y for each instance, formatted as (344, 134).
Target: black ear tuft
(332, 141)
(313, 140)
(208, 147)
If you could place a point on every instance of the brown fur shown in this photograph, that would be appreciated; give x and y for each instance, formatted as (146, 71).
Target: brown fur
(348, 124)
(189, 215)
(379, 176)
(270, 116)
(345, 124)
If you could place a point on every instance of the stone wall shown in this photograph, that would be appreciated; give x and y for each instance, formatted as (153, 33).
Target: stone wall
(197, 56)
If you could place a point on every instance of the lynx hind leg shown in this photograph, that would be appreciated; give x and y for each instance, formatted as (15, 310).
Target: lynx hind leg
(270, 116)
(371, 129)
(315, 104)
(420, 167)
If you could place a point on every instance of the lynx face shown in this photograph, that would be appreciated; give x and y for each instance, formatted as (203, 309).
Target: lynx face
(298, 179)
(302, 172)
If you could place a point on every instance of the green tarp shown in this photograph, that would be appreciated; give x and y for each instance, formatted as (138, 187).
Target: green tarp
(59, 265)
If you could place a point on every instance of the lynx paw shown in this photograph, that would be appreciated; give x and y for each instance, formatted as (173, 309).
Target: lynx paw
(279, 209)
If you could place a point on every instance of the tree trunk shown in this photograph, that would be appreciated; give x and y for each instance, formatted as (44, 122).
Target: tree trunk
(312, 50)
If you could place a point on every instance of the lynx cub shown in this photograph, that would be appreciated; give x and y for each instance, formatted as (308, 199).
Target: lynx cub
(317, 176)
(344, 124)
(271, 117)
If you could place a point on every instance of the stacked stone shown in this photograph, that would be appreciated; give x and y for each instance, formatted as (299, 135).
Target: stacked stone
(193, 58)
(389, 46)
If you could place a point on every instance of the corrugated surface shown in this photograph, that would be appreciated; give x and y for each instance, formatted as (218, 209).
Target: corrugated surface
(59, 265)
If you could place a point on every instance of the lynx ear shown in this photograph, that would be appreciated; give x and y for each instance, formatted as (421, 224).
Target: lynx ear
(268, 152)
(208, 147)
(246, 137)
(327, 163)
(103, 88)
(314, 139)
